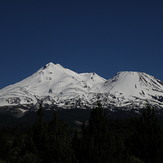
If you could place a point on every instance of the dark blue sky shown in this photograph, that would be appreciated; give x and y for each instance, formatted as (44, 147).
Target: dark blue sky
(83, 35)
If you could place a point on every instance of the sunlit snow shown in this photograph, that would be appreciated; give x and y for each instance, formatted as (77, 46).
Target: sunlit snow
(64, 88)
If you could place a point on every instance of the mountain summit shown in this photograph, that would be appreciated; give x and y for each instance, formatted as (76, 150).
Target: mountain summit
(56, 85)
(135, 88)
(134, 84)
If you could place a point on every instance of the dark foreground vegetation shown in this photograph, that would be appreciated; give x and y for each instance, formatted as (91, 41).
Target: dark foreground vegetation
(136, 140)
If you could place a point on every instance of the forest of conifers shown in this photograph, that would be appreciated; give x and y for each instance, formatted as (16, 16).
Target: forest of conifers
(136, 140)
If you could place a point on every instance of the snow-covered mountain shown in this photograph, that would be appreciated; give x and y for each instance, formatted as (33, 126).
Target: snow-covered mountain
(135, 89)
(56, 85)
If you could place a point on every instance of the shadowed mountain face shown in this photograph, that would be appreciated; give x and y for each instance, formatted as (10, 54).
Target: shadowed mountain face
(56, 85)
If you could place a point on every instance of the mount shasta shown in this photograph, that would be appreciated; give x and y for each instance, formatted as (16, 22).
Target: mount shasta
(61, 87)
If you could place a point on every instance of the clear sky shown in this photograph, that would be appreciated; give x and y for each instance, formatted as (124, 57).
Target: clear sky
(83, 35)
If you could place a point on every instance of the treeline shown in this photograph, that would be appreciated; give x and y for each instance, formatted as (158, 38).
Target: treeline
(137, 140)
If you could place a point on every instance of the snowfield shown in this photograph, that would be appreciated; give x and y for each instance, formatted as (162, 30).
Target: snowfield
(56, 85)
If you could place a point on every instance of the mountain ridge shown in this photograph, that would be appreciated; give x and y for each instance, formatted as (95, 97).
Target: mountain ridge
(59, 86)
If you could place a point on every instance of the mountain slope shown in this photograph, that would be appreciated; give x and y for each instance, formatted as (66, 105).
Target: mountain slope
(56, 85)
(52, 81)
(135, 88)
